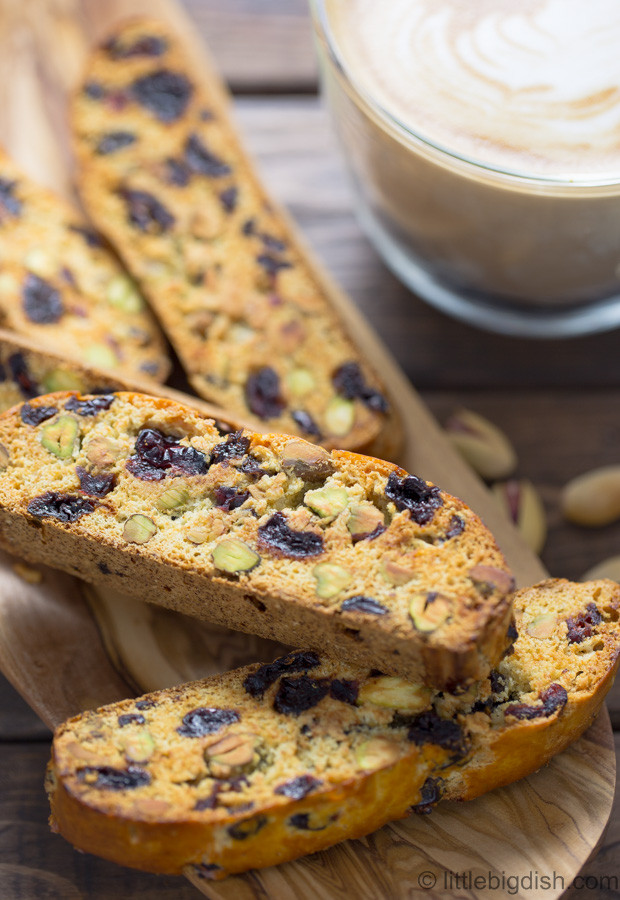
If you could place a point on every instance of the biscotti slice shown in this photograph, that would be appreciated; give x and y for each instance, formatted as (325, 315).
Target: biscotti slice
(262, 533)
(163, 175)
(269, 762)
(60, 285)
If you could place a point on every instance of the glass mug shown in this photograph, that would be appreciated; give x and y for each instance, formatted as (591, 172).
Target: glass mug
(535, 255)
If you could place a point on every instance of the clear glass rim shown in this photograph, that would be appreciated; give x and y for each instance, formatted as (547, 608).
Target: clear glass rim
(600, 180)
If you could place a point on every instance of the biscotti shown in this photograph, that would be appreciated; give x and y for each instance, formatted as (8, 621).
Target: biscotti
(262, 533)
(164, 177)
(60, 285)
(270, 762)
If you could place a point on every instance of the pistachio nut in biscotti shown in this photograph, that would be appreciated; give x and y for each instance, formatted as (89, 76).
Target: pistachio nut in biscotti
(263, 533)
(270, 762)
(163, 175)
(60, 285)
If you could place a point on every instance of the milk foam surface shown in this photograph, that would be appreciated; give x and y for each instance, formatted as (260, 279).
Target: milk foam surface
(528, 86)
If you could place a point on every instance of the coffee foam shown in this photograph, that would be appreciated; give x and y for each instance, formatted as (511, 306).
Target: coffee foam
(531, 87)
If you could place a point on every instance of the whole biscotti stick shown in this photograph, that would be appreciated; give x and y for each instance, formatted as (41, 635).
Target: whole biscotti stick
(163, 175)
(267, 763)
(61, 285)
(262, 533)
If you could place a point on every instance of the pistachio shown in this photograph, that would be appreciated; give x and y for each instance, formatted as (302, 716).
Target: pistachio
(102, 451)
(8, 284)
(123, 294)
(393, 692)
(486, 448)
(139, 529)
(607, 568)
(61, 437)
(300, 382)
(397, 572)
(327, 502)
(306, 460)
(4, 457)
(521, 503)
(173, 498)
(542, 626)
(99, 355)
(593, 499)
(233, 754)
(61, 380)
(429, 610)
(137, 747)
(339, 416)
(240, 333)
(233, 555)
(363, 519)
(376, 753)
(490, 579)
(331, 579)
(40, 262)
(198, 534)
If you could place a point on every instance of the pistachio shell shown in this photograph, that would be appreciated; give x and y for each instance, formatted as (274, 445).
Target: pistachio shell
(487, 449)
(593, 499)
(520, 501)
(607, 568)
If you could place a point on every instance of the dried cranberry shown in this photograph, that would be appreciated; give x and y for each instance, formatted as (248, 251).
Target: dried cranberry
(430, 794)
(34, 415)
(158, 454)
(364, 605)
(272, 264)
(497, 681)
(95, 485)
(235, 446)
(296, 695)
(206, 720)
(145, 704)
(262, 392)
(146, 212)
(275, 535)
(302, 821)
(41, 301)
(177, 173)
(247, 828)
(131, 719)
(580, 626)
(91, 237)
(21, 376)
(415, 495)
(429, 728)
(115, 779)
(249, 227)
(9, 202)
(349, 381)
(113, 141)
(306, 422)
(272, 243)
(164, 93)
(228, 199)
(95, 90)
(64, 507)
(229, 498)
(298, 788)
(252, 467)
(344, 690)
(146, 45)
(202, 161)
(455, 527)
(92, 406)
(258, 682)
(554, 698)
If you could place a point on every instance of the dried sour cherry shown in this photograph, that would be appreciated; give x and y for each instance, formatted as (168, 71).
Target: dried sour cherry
(177, 173)
(236, 445)
(229, 498)
(95, 485)
(34, 415)
(275, 535)
(429, 728)
(415, 495)
(203, 161)
(91, 406)
(64, 507)
(349, 381)
(158, 454)
(206, 720)
(21, 376)
(581, 626)
(113, 141)
(258, 682)
(130, 719)
(305, 422)
(146, 212)
(165, 94)
(228, 199)
(262, 392)
(296, 695)
(552, 699)
(456, 527)
(430, 794)
(364, 605)
(9, 202)
(271, 264)
(111, 779)
(146, 45)
(344, 690)
(298, 788)
(41, 301)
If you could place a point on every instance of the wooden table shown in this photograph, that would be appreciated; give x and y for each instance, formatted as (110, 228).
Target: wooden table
(558, 401)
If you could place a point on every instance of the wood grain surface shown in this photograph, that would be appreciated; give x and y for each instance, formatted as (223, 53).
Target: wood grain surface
(557, 433)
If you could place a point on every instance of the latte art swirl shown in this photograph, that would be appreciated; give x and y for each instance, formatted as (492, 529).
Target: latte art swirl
(531, 87)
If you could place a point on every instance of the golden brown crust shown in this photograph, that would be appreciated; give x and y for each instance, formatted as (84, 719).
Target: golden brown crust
(339, 551)
(251, 323)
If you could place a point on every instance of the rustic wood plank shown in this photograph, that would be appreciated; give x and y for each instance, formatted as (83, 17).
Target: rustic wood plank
(259, 46)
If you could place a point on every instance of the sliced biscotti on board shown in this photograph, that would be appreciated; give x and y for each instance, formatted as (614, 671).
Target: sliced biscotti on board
(270, 762)
(163, 175)
(262, 533)
(60, 284)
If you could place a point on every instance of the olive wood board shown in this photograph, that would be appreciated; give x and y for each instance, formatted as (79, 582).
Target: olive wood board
(50, 648)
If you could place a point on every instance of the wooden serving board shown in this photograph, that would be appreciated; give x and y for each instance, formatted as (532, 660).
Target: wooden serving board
(51, 650)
